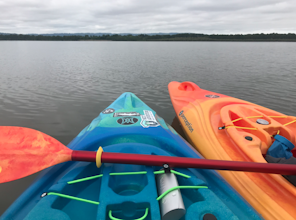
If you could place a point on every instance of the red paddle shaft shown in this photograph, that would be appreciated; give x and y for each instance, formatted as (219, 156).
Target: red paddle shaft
(153, 160)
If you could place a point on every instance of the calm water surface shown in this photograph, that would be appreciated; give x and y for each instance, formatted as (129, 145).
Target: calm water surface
(59, 87)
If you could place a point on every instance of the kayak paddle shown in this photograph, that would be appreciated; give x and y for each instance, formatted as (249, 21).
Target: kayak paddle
(24, 151)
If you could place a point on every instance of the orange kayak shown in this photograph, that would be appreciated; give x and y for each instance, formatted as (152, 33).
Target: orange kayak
(225, 128)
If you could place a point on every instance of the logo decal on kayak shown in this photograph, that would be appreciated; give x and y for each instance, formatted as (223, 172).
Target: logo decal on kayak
(120, 114)
(187, 123)
(108, 111)
(127, 121)
(148, 119)
(212, 96)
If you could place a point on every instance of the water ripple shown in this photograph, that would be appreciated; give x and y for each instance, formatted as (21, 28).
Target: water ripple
(59, 86)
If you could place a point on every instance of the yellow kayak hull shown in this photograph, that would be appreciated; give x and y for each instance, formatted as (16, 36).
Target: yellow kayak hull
(240, 138)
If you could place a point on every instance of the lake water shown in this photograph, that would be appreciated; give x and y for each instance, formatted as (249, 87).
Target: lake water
(59, 87)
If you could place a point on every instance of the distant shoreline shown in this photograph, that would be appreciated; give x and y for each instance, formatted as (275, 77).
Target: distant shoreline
(273, 37)
(163, 40)
(191, 40)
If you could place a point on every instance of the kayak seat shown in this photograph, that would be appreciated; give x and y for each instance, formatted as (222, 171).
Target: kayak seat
(281, 148)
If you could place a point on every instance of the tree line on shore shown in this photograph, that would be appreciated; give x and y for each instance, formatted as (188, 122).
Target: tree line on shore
(148, 37)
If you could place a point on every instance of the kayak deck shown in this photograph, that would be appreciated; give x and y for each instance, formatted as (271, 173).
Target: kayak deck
(127, 196)
(127, 126)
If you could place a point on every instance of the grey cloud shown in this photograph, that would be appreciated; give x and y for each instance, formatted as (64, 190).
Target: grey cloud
(231, 5)
(134, 16)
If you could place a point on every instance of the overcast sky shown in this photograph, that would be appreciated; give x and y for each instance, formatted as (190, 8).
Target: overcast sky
(148, 16)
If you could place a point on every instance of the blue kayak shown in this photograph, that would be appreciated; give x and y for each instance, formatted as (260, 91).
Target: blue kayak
(80, 190)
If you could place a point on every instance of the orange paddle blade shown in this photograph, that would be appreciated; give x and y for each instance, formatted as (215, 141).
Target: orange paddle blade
(24, 151)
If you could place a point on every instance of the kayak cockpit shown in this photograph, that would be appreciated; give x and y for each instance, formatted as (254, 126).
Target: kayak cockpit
(119, 191)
